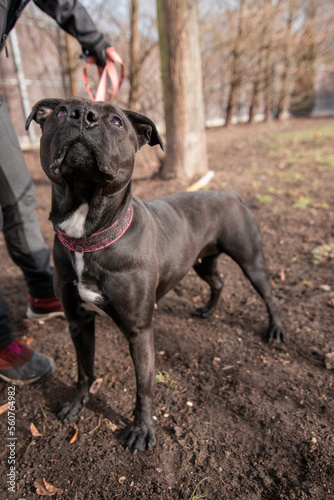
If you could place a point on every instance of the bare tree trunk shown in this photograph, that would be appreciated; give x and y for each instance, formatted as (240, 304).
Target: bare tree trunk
(182, 87)
(268, 66)
(135, 64)
(303, 93)
(235, 77)
(286, 62)
(71, 64)
(254, 99)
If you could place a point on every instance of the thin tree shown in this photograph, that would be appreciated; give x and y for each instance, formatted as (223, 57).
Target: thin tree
(236, 70)
(135, 66)
(267, 58)
(72, 64)
(303, 94)
(287, 60)
(139, 52)
(254, 44)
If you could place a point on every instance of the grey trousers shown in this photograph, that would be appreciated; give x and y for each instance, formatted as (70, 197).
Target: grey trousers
(19, 223)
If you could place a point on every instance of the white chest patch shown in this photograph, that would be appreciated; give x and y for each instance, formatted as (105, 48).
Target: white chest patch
(74, 225)
(90, 298)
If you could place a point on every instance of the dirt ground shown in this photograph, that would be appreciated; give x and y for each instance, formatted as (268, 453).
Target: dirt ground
(235, 418)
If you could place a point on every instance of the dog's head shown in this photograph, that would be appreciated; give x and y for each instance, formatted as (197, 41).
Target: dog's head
(94, 140)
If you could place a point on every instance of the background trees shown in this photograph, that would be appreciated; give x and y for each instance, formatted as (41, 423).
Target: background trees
(270, 54)
(259, 60)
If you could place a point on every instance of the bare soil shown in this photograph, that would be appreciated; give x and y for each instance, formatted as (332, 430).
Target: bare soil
(236, 418)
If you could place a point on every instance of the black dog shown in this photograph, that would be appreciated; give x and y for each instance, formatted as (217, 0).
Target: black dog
(118, 255)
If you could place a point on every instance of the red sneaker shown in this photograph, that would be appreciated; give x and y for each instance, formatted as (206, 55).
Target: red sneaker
(20, 365)
(44, 309)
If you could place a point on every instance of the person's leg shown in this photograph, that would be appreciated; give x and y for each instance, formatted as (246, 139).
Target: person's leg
(18, 363)
(21, 230)
(6, 330)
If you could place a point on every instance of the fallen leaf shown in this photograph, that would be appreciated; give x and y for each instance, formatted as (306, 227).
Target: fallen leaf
(196, 299)
(122, 479)
(34, 431)
(96, 385)
(46, 489)
(4, 408)
(74, 437)
(111, 425)
(282, 274)
(28, 340)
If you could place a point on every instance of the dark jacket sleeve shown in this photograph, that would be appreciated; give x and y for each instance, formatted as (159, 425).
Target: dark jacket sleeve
(73, 18)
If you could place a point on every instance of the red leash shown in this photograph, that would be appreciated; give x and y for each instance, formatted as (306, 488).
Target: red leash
(112, 57)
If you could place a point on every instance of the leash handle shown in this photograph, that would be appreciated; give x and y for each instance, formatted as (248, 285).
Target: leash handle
(110, 69)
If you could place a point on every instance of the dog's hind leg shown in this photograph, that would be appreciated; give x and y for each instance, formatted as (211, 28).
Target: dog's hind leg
(256, 272)
(206, 268)
(245, 247)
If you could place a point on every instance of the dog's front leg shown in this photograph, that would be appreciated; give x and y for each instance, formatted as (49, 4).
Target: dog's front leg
(82, 330)
(141, 434)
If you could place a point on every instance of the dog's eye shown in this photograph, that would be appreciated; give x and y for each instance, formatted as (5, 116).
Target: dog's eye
(117, 122)
(62, 112)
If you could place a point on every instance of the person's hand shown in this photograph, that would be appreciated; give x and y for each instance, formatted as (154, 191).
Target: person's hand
(99, 52)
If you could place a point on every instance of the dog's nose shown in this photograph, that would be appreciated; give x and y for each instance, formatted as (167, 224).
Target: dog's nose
(83, 115)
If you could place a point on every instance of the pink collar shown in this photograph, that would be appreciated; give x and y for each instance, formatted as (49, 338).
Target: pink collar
(98, 240)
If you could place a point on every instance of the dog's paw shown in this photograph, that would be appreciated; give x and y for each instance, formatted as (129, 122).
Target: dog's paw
(69, 410)
(139, 438)
(275, 333)
(203, 312)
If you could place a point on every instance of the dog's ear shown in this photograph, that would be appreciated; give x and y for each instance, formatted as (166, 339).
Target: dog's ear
(41, 110)
(145, 129)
